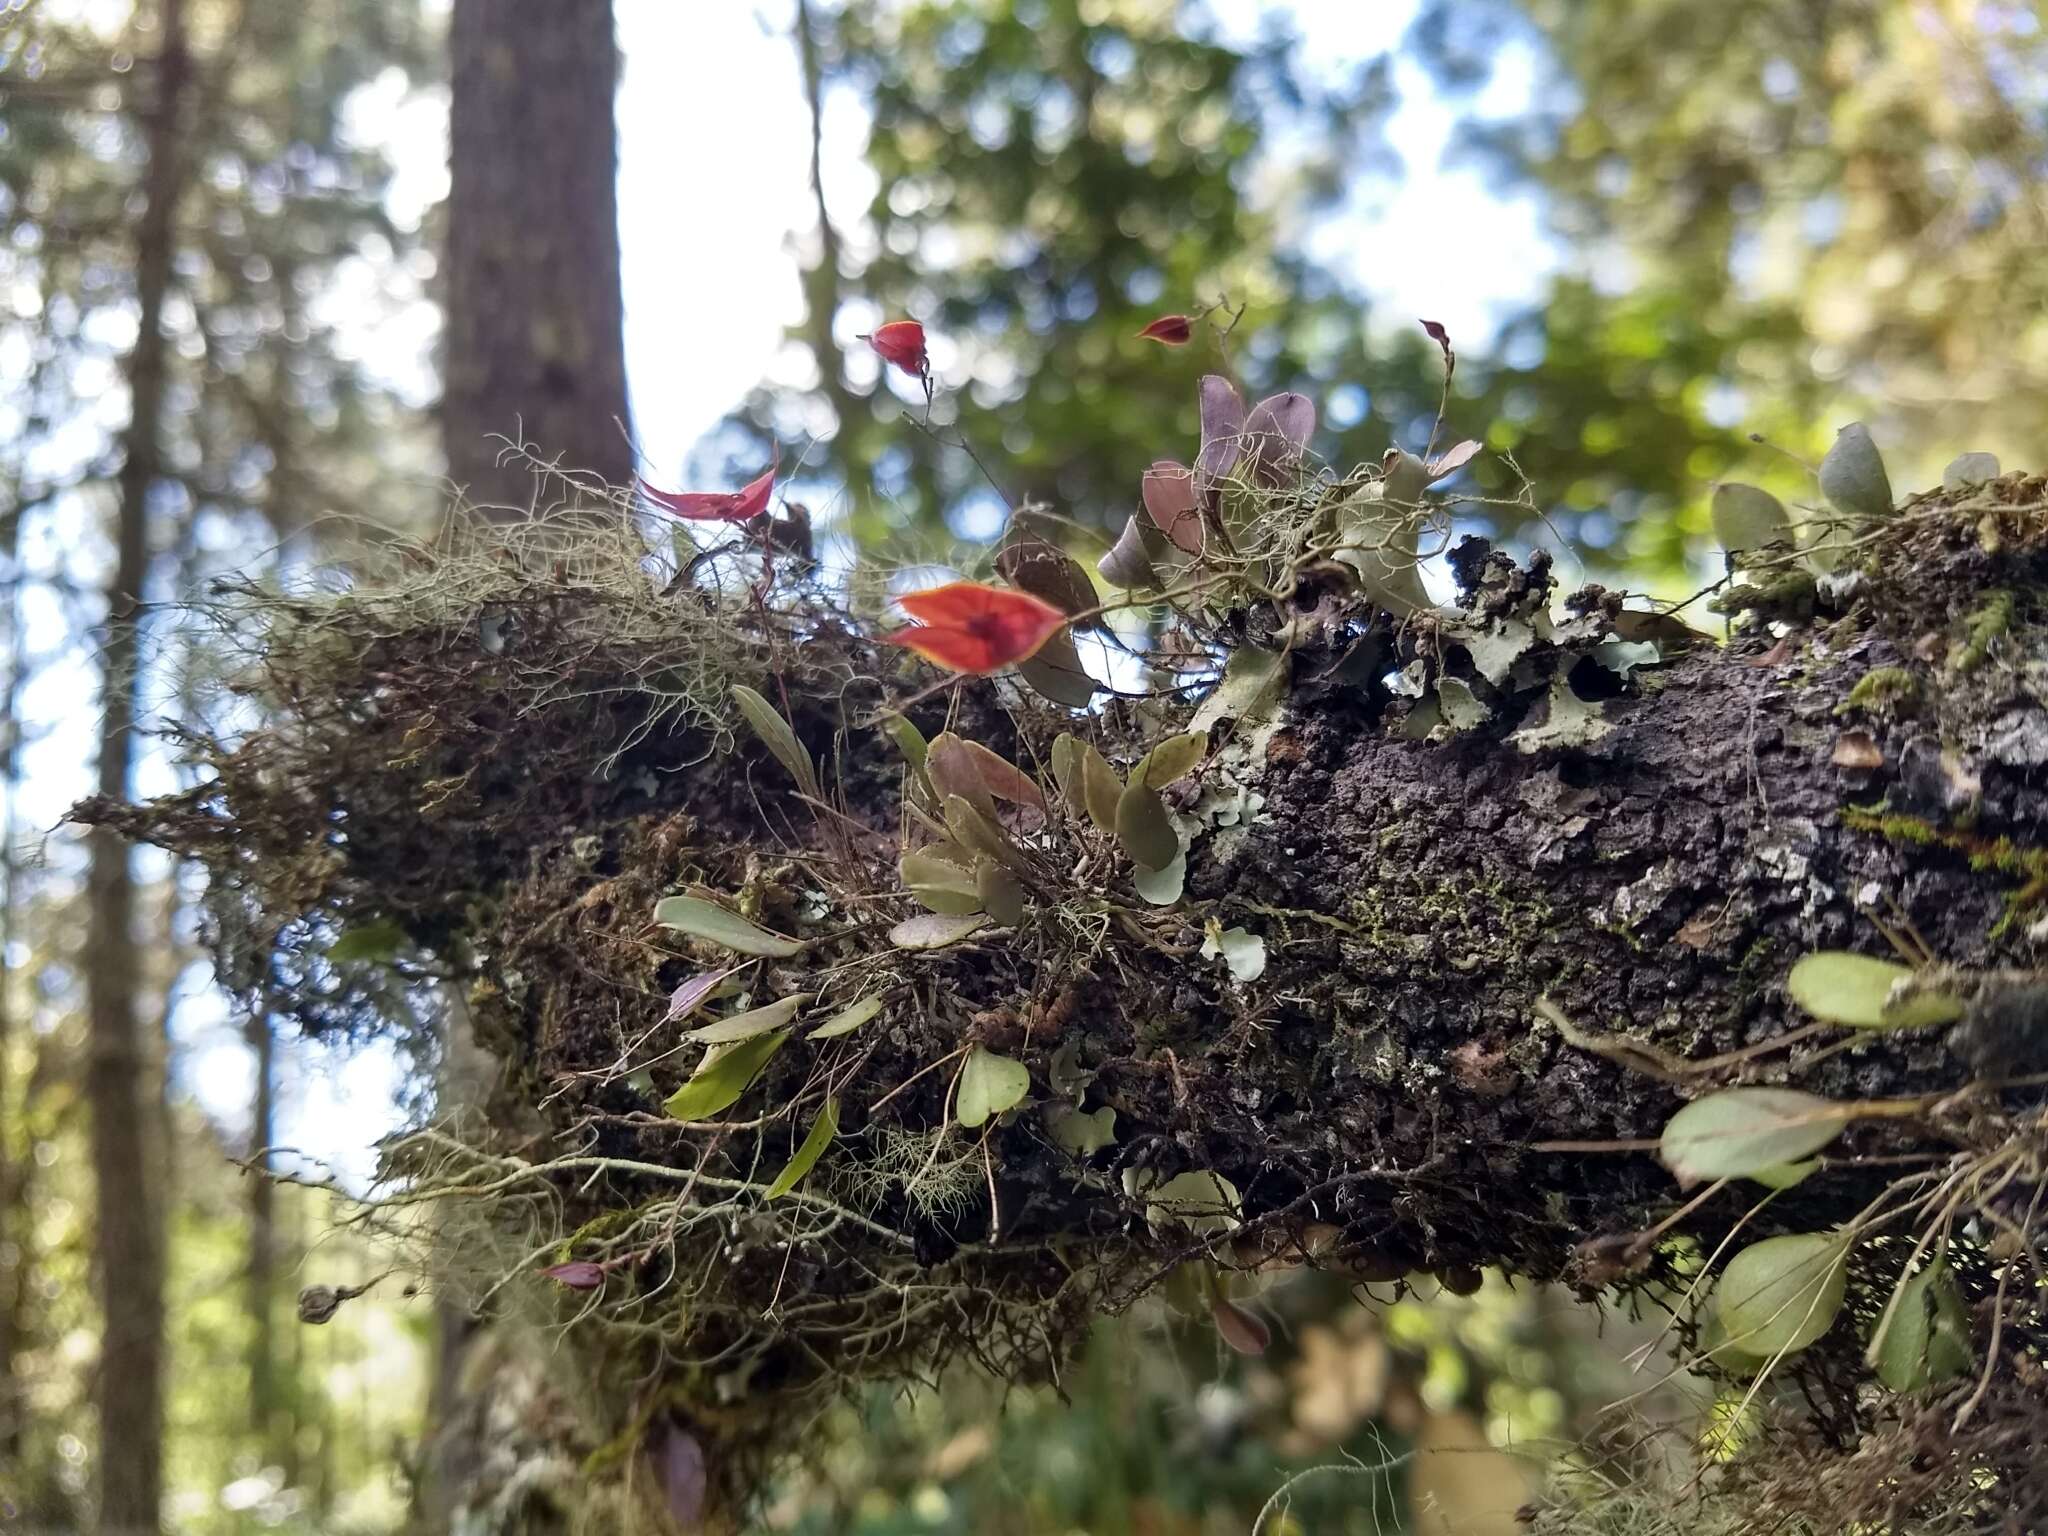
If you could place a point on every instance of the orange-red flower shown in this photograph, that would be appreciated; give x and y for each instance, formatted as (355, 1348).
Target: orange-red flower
(1170, 330)
(971, 627)
(901, 342)
(749, 501)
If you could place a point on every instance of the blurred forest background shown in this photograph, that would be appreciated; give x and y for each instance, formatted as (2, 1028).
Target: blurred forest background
(271, 276)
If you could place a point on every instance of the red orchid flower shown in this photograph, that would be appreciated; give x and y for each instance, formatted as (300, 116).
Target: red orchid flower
(749, 501)
(1170, 330)
(901, 342)
(972, 627)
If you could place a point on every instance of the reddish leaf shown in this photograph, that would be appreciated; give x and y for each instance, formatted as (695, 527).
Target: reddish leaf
(577, 1274)
(1244, 1331)
(1222, 424)
(751, 500)
(1436, 333)
(684, 1000)
(1168, 491)
(1454, 458)
(1276, 434)
(901, 343)
(971, 627)
(1172, 330)
(680, 1462)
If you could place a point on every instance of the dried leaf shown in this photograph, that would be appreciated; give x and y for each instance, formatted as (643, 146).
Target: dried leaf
(1737, 1132)
(709, 921)
(776, 735)
(822, 1130)
(745, 1026)
(1858, 751)
(725, 1073)
(686, 998)
(1453, 459)
(934, 931)
(1143, 827)
(989, 1084)
(849, 1018)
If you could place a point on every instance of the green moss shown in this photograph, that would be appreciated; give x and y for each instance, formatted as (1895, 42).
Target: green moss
(1981, 631)
(1986, 855)
(1883, 691)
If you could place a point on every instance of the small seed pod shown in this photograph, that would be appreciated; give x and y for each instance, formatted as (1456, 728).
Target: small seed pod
(1852, 475)
(318, 1303)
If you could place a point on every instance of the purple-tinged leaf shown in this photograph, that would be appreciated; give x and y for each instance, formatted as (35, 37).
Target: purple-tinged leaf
(1129, 563)
(680, 1463)
(1276, 434)
(577, 1274)
(1244, 1331)
(1436, 333)
(684, 1000)
(1222, 426)
(1168, 491)
(1453, 459)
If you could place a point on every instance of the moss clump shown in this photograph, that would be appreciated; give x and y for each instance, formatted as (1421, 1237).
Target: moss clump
(1981, 631)
(1892, 691)
(1986, 855)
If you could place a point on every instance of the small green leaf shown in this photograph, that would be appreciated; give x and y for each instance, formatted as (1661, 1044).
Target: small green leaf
(1080, 1134)
(726, 1073)
(1000, 894)
(709, 921)
(1748, 518)
(1923, 1338)
(978, 833)
(823, 1129)
(933, 930)
(777, 737)
(373, 941)
(849, 1018)
(1857, 990)
(1199, 1200)
(1144, 828)
(1101, 788)
(745, 1026)
(989, 1084)
(1783, 1293)
(940, 883)
(909, 741)
(1741, 1132)
(1852, 474)
(1785, 1175)
(1171, 759)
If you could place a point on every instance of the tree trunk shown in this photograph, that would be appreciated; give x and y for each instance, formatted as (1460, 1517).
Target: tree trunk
(121, 1084)
(534, 347)
(261, 1274)
(1494, 966)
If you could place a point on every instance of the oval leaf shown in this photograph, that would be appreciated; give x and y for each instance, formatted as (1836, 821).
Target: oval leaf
(1101, 789)
(686, 998)
(849, 1018)
(1056, 673)
(776, 735)
(1782, 1293)
(1171, 501)
(1852, 474)
(936, 931)
(962, 767)
(1129, 563)
(823, 1129)
(1199, 1200)
(726, 1073)
(939, 883)
(1043, 569)
(989, 1084)
(577, 1274)
(1967, 469)
(1162, 887)
(1171, 759)
(1740, 1132)
(745, 1026)
(1244, 1331)
(1858, 990)
(718, 925)
(1144, 828)
(999, 892)
(1923, 1339)
(1747, 518)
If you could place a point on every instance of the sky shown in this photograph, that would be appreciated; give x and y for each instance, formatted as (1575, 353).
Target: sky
(710, 276)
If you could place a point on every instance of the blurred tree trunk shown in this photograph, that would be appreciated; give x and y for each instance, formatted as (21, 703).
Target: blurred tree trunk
(120, 1082)
(534, 339)
(262, 1269)
(535, 345)
(822, 280)
(15, 1161)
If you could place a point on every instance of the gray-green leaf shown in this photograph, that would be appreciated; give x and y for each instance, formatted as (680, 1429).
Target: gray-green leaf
(1740, 1132)
(1783, 1293)
(709, 921)
(823, 1129)
(1860, 991)
(1852, 475)
(726, 1073)
(777, 737)
(989, 1084)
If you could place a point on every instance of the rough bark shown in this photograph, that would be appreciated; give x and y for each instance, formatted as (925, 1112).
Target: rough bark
(1387, 1090)
(121, 1082)
(533, 347)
